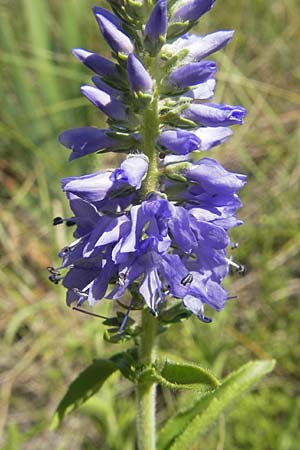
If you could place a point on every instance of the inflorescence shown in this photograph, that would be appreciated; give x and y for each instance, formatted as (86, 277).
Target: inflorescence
(157, 226)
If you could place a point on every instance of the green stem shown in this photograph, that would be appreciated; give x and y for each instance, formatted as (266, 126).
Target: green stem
(145, 392)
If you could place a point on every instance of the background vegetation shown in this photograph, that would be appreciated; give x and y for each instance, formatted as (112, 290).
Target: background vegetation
(44, 344)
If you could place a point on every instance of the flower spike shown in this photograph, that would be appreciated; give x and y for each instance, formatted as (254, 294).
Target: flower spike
(156, 227)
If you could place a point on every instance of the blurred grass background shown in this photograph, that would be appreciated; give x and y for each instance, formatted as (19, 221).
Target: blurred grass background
(44, 344)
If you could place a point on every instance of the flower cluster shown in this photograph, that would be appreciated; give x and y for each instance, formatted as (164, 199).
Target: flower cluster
(157, 226)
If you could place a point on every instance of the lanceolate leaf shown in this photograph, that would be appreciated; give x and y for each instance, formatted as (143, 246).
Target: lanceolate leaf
(183, 430)
(188, 374)
(180, 376)
(83, 387)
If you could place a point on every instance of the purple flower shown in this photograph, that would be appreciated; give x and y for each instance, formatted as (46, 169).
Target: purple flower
(202, 91)
(112, 107)
(179, 141)
(108, 15)
(83, 141)
(193, 73)
(191, 10)
(200, 47)
(210, 137)
(214, 115)
(97, 186)
(97, 63)
(116, 93)
(116, 39)
(139, 78)
(156, 26)
(214, 178)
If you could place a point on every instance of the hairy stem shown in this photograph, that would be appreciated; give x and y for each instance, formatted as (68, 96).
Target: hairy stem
(145, 392)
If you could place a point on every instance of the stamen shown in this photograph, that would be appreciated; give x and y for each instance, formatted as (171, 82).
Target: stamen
(57, 220)
(240, 268)
(234, 245)
(70, 223)
(89, 313)
(125, 317)
(187, 279)
(79, 292)
(121, 279)
(55, 278)
(52, 270)
(204, 318)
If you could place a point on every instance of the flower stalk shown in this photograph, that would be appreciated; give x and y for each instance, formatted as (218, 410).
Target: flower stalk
(146, 391)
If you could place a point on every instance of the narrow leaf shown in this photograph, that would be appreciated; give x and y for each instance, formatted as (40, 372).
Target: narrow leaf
(183, 430)
(83, 387)
(188, 374)
(180, 376)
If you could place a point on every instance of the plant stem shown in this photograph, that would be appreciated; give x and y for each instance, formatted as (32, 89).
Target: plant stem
(146, 392)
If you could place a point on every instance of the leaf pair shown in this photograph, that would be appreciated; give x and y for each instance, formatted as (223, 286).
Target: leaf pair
(184, 429)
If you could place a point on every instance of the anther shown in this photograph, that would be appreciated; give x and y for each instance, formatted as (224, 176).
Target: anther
(234, 245)
(121, 279)
(162, 155)
(204, 319)
(64, 251)
(241, 269)
(52, 270)
(70, 223)
(79, 292)
(57, 220)
(55, 278)
(187, 279)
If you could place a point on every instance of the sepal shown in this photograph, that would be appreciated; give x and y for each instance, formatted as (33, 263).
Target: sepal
(123, 328)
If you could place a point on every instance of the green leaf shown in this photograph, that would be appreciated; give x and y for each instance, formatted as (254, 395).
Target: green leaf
(180, 376)
(83, 387)
(182, 431)
(125, 362)
(188, 374)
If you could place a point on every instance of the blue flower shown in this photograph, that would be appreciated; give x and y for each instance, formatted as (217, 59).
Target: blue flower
(193, 73)
(191, 10)
(139, 78)
(156, 27)
(215, 115)
(116, 39)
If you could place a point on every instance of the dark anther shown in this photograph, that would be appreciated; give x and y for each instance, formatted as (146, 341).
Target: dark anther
(57, 220)
(55, 279)
(187, 279)
(234, 245)
(52, 270)
(204, 319)
(70, 223)
(121, 279)
(162, 155)
(241, 269)
(65, 251)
